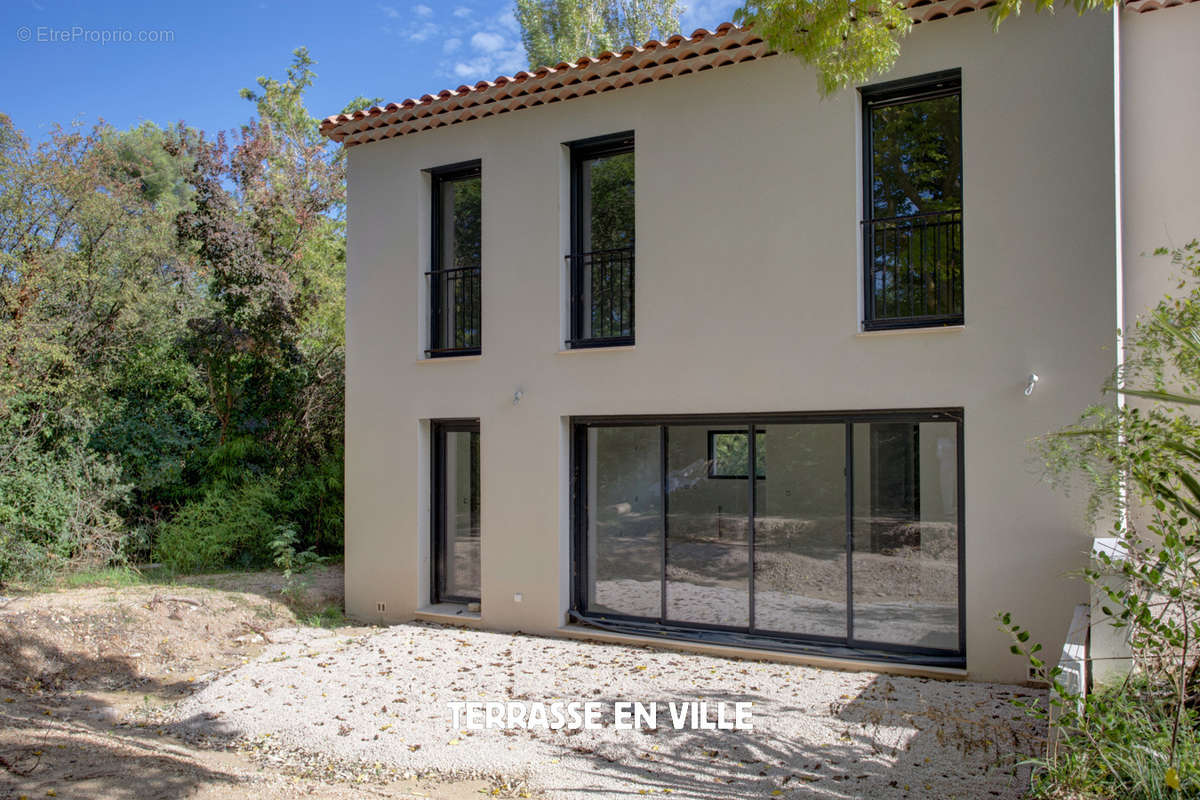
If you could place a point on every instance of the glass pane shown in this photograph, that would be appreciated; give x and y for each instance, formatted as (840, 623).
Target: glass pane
(459, 285)
(460, 515)
(461, 218)
(915, 246)
(624, 504)
(800, 530)
(708, 557)
(730, 454)
(906, 533)
(916, 157)
(607, 195)
(606, 192)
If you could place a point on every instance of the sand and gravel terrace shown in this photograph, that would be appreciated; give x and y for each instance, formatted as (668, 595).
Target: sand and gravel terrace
(381, 697)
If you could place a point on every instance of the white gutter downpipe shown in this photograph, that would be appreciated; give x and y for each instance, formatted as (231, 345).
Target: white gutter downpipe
(1119, 242)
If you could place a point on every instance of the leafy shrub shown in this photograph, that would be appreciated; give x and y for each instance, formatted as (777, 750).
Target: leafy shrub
(1140, 739)
(291, 560)
(316, 504)
(228, 526)
(57, 500)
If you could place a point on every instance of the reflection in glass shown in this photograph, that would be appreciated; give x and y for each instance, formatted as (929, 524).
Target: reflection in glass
(606, 239)
(608, 196)
(458, 278)
(906, 534)
(914, 239)
(460, 515)
(729, 454)
(461, 219)
(800, 530)
(624, 536)
(708, 558)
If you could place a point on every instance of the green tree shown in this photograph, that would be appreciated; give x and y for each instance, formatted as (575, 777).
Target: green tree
(849, 41)
(554, 31)
(88, 276)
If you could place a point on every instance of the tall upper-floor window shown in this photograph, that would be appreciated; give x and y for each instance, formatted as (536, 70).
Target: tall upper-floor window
(913, 215)
(602, 241)
(454, 274)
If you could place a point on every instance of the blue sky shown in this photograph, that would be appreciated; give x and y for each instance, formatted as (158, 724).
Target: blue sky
(59, 68)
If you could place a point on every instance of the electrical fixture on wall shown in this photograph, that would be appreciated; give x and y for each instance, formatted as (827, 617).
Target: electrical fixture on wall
(1032, 382)
(517, 395)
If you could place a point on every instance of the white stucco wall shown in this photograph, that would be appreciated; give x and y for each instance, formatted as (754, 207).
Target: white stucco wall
(748, 286)
(1160, 118)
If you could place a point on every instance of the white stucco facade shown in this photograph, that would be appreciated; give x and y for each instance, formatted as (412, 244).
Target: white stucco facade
(749, 300)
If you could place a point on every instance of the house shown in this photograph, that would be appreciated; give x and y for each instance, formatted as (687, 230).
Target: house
(663, 346)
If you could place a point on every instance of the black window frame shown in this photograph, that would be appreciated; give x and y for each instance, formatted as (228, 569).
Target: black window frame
(750, 636)
(712, 454)
(930, 86)
(585, 150)
(437, 516)
(439, 176)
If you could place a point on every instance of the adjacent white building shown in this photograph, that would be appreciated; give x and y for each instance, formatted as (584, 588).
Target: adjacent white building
(662, 344)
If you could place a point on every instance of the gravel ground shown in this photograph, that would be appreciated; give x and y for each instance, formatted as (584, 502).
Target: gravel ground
(381, 698)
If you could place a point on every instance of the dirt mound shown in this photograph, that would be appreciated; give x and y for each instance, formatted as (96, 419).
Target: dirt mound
(112, 639)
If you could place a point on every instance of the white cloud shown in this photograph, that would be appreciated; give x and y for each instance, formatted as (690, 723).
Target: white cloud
(508, 21)
(423, 11)
(487, 42)
(471, 69)
(389, 11)
(422, 32)
(488, 65)
(482, 47)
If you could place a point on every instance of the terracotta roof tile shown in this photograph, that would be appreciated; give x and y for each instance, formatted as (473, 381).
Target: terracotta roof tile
(1142, 6)
(608, 71)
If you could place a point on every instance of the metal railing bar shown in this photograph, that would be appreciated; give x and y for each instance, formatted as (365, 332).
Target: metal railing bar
(905, 217)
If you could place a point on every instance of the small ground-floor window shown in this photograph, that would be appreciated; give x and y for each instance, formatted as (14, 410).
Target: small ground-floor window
(848, 539)
(455, 505)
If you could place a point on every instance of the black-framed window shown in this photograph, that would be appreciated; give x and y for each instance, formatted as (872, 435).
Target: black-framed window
(912, 197)
(602, 241)
(455, 282)
(455, 507)
(850, 542)
(729, 455)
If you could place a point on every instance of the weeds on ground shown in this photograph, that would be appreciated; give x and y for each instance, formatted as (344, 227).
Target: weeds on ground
(331, 616)
(112, 577)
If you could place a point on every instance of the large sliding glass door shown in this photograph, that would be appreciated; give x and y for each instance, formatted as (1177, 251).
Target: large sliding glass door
(837, 531)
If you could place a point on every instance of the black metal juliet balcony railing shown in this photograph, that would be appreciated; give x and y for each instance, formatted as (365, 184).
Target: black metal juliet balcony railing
(601, 298)
(455, 319)
(913, 270)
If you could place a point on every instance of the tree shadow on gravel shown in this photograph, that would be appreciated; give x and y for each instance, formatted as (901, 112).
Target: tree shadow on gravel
(58, 731)
(890, 743)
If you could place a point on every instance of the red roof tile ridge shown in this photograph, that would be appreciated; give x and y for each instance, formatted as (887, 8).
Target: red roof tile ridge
(581, 64)
(634, 65)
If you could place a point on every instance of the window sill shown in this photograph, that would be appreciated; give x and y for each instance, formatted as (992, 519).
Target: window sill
(617, 348)
(450, 359)
(449, 614)
(904, 331)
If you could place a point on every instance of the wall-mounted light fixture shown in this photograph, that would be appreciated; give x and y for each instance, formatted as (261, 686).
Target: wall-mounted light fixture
(517, 395)
(1032, 382)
